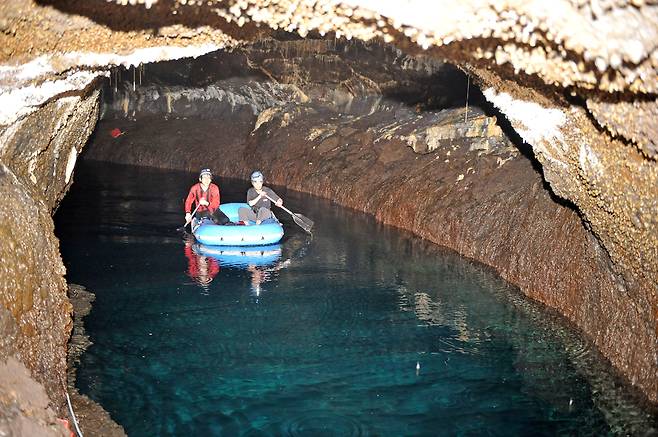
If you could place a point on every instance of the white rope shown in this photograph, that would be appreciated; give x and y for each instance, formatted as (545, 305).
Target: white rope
(75, 421)
(468, 83)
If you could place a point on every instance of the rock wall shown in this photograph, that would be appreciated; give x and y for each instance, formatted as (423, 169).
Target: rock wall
(24, 405)
(37, 158)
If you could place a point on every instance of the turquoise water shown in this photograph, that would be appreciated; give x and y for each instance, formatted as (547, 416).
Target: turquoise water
(357, 330)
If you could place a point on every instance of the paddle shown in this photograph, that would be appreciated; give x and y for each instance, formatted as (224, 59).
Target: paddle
(304, 222)
(187, 222)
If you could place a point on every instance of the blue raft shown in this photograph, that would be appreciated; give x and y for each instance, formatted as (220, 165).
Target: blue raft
(208, 233)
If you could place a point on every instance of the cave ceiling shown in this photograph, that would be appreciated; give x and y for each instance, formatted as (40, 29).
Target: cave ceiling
(577, 79)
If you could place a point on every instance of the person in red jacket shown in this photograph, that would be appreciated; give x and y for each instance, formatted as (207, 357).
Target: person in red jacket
(205, 194)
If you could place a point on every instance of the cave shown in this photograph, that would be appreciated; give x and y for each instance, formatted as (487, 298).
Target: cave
(495, 131)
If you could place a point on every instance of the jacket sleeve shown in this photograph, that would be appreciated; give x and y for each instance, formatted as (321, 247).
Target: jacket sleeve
(191, 196)
(214, 198)
(251, 195)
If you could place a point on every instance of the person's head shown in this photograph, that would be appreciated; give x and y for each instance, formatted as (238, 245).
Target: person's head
(257, 179)
(205, 176)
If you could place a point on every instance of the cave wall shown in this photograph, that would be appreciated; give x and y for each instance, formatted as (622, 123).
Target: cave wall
(576, 79)
(37, 158)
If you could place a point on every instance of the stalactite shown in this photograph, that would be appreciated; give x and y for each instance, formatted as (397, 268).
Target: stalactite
(125, 101)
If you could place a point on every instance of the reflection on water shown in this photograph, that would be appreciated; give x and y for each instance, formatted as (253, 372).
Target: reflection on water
(241, 256)
(262, 262)
(261, 274)
(361, 331)
(200, 268)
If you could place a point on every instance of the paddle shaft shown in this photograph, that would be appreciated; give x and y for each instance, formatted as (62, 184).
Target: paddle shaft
(187, 222)
(282, 207)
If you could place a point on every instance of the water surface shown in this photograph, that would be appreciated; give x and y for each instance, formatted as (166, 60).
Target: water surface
(357, 330)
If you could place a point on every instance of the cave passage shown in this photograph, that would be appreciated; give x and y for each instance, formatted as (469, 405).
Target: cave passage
(358, 330)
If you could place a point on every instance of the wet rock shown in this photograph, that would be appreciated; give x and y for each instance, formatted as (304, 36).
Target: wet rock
(36, 164)
(234, 98)
(634, 121)
(43, 147)
(92, 418)
(81, 300)
(32, 288)
(431, 131)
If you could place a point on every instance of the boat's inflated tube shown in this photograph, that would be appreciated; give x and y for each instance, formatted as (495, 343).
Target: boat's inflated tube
(210, 234)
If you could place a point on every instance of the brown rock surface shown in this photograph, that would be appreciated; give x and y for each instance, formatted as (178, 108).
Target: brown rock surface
(36, 165)
(33, 289)
(43, 147)
(24, 404)
(635, 121)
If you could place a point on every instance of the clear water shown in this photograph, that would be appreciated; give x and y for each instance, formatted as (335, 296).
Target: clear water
(359, 330)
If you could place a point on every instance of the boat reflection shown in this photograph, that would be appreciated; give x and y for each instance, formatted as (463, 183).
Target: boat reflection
(241, 256)
(260, 261)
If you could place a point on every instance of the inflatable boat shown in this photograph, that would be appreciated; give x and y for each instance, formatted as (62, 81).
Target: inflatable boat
(209, 234)
(241, 256)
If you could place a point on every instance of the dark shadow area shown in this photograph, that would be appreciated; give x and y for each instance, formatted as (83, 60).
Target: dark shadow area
(161, 14)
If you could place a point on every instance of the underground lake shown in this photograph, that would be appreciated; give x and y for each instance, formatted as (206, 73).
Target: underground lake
(357, 329)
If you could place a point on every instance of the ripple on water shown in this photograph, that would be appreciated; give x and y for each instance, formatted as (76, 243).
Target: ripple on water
(322, 423)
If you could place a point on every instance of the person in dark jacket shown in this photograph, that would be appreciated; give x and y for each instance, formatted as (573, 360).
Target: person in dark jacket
(205, 195)
(260, 200)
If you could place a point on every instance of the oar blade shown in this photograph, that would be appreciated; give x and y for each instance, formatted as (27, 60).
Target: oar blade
(303, 221)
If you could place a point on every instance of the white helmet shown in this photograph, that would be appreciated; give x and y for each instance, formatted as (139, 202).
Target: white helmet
(257, 176)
